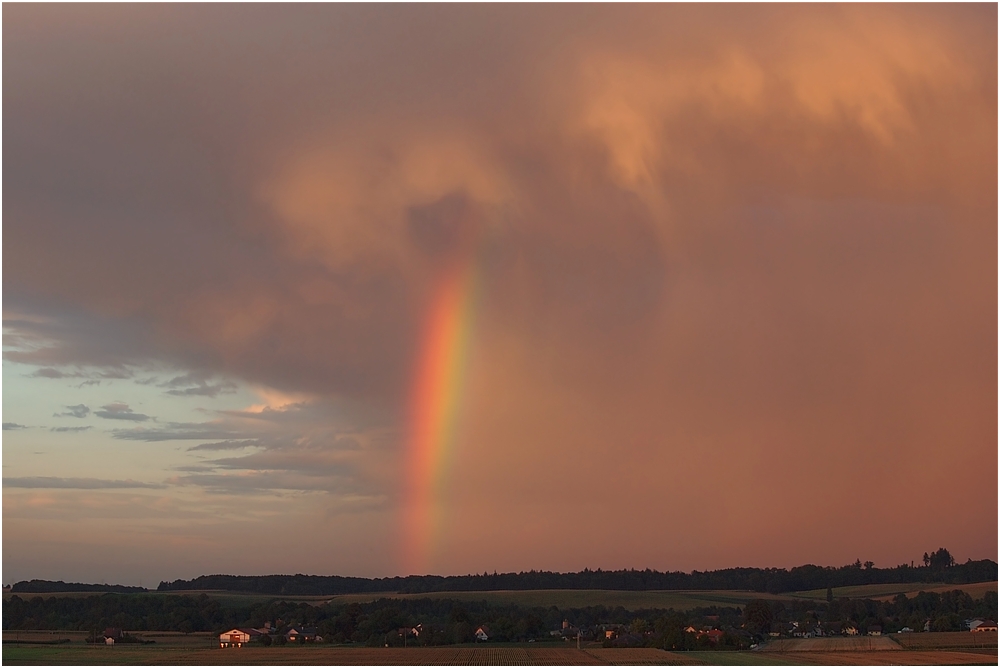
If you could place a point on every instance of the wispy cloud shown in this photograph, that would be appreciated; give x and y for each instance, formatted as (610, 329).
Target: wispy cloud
(49, 482)
(182, 431)
(70, 429)
(120, 411)
(78, 411)
(195, 384)
(228, 445)
(12, 425)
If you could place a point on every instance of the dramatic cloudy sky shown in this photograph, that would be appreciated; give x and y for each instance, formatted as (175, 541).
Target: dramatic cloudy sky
(737, 297)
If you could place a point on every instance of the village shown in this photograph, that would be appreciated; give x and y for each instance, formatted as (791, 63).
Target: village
(609, 635)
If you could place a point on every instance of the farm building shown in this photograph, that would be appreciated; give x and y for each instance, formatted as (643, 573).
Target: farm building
(301, 634)
(237, 637)
(988, 626)
(483, 633)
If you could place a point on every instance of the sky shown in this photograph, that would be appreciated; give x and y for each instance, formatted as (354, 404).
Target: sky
(375, 290)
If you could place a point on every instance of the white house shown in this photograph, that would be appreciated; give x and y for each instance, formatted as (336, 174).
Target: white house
(236, 637)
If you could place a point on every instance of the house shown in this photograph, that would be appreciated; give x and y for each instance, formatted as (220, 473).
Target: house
(850, 630)
(483, 633)
(988, 626)
(301, 634)
(714, 635)
(874, 630)
(237, 637)
(113, 633)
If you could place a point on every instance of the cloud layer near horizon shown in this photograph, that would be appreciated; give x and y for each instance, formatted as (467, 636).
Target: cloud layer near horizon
(737, 263)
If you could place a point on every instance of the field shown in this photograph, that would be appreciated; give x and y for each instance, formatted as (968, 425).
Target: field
(562, 598)
(582, 598)
(178, 654)
(887, 591)
(946, 640)
(859, 644)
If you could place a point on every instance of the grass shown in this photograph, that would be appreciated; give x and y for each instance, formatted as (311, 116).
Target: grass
(887, 591)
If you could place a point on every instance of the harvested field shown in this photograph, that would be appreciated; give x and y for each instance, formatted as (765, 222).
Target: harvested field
(956, 640)
(642, 656)
(928, 658)
(452, 656)
(467, 656)
(860, 644)
(709, 658)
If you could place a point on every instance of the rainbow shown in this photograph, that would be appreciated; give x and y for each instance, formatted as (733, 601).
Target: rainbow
(435, 404)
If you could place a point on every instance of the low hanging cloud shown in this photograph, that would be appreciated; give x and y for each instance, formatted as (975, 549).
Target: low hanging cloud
(120, 411)
(12, 425)
(70, 429)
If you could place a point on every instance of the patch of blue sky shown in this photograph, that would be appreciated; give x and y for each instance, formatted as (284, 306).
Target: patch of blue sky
(42, 404)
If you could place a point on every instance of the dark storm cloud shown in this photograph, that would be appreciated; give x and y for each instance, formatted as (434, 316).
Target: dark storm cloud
(48, 482)
(120, 411)
(78, 411)
(766, 233)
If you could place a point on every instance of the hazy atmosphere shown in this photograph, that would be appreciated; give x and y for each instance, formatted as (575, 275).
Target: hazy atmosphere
(385, 289)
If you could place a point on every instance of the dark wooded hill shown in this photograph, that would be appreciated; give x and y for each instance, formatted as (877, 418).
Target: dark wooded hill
(49, 586)
(773, 580)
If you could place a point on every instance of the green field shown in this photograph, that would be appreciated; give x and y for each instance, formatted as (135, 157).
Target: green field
(582, 598)
(886, 591)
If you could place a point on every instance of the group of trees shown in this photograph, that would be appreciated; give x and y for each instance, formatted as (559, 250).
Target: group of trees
(937, 567)
(445, 621)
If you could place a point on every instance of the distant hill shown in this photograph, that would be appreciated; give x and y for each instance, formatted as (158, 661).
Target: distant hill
(771, 580)
(49, 586)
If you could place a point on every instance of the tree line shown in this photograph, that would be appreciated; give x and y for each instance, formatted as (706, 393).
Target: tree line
(938, 566)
